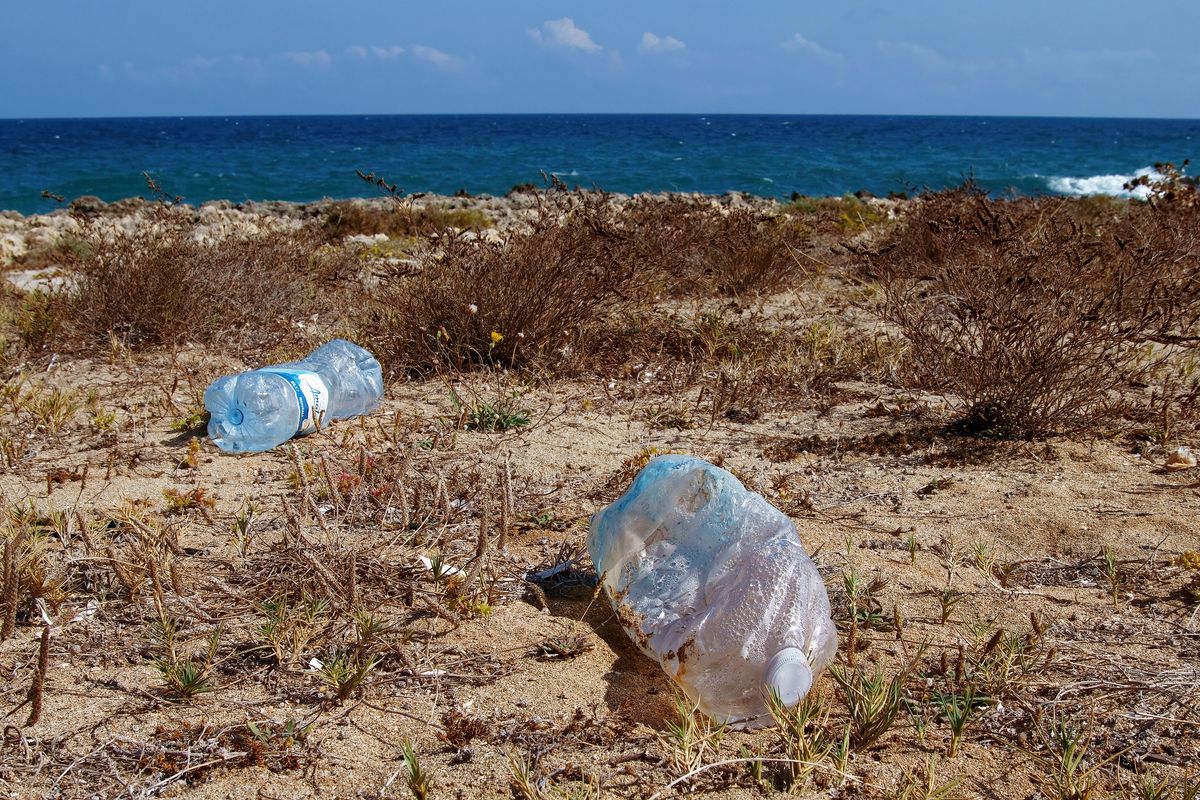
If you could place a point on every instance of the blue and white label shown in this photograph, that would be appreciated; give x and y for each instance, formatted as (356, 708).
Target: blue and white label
(312, 395)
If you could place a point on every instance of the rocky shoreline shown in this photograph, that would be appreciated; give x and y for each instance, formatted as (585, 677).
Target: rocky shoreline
(21, 234)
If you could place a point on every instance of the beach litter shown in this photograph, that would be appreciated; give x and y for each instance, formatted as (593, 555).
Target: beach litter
(262, 409)
(712, 581)
(1181, 458)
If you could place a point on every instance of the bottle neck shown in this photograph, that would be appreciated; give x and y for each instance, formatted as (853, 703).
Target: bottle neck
(789, 675)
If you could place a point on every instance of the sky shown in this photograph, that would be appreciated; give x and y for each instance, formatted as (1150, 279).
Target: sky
(86, 58)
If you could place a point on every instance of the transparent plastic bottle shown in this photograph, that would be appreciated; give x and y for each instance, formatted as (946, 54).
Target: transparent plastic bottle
(711, 580)
(259, 410)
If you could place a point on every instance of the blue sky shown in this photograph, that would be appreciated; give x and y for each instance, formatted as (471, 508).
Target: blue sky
(1035, 57)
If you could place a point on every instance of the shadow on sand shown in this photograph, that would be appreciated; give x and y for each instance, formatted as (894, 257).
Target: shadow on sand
(638, 689)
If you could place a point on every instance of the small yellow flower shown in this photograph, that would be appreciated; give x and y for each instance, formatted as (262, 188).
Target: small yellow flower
(497, 337)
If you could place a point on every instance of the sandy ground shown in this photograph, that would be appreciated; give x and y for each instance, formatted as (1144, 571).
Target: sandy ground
(475, 689)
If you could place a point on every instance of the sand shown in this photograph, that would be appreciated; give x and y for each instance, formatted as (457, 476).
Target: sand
(919, 515)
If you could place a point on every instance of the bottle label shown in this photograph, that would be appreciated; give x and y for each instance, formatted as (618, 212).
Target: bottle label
(311, 394)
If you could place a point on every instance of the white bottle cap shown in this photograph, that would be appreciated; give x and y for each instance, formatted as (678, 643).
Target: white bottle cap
(789, 675)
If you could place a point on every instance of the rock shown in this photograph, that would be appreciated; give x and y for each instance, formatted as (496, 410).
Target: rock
(36, 280)
(129, 205)
(87, 205)
(12, 245)
(367, 239)
(521, 188)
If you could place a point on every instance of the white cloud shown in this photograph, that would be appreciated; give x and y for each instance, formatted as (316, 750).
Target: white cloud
(660, 44)
(375, 51)
(564, 33)
(434, 56)
(430, 55)
(801, 44)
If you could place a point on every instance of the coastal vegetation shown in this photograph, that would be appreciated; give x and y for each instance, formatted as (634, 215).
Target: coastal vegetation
(973, 407)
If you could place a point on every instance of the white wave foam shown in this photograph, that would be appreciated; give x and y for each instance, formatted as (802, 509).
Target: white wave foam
(1099, 184)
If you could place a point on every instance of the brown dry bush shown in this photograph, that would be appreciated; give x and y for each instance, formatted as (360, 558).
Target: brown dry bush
(36, 317)
(1033, 323)
(48, 255)
(1168, 186)
(837, 215)
(703, 250)
(745, 253)
(550, 294)
(162, 286)
(395, 219)
(535, 298)
(745, 362)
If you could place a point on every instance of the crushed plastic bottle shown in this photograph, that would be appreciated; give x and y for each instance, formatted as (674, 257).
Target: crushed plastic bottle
(711, 581)
(259, 410)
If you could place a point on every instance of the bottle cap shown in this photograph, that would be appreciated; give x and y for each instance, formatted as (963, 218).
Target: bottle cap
(789, 675)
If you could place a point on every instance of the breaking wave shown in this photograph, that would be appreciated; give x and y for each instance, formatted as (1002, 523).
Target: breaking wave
(1099, 184)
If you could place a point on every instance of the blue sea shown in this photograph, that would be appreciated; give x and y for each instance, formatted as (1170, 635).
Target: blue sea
(311, 157)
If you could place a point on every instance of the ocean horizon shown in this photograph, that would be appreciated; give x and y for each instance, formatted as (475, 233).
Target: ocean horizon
(310, 157)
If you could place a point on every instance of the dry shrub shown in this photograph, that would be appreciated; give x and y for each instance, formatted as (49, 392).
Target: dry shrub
(1169, 187)
(742, 252)
(549, 293)
(1097, 213)
(839, 215)
(395, 219)
(534, 298)
(1034, 323)
(37, 316)
(161, 286)
(703, 250)
(746, 362)
(51, 254)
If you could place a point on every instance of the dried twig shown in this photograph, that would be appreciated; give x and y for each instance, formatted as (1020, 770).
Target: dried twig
(38, 685)
(8, 593)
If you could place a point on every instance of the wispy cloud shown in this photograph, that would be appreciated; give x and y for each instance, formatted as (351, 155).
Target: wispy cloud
(307, 58)
(652, 43)
(195, 68)
(419, 52)
(375, 51)
(798, 43)
(432, 55)
(565, 33)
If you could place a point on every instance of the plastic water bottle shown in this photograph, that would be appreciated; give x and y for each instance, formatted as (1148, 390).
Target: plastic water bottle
(711, 580)
(258, 410)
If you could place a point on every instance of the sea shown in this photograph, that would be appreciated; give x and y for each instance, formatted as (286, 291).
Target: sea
(304, 158)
